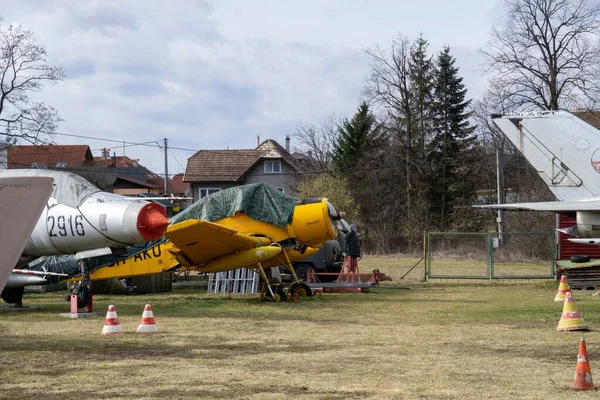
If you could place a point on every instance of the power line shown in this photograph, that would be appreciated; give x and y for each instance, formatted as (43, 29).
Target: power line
(128, 145)
(180, 166)
(146, 144)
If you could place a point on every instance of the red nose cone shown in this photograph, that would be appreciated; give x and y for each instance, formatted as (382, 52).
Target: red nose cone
(152, 221)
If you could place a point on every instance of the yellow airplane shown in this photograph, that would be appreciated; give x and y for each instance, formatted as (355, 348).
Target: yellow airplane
(235, 242)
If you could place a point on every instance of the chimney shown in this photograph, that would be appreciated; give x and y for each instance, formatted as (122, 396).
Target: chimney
(257, 140)
(287, 143)
(105, 154)
(310, 154)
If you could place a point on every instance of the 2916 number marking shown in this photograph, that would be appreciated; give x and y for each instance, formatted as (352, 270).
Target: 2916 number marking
(62, 226)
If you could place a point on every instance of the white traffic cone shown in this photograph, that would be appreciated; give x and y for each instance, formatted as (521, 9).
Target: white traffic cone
(147, 324)
(111, 322)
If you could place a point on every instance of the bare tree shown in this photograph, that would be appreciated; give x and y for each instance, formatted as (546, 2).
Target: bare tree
(319, 139)
(546, 55)
(23, 70)
(392, 88)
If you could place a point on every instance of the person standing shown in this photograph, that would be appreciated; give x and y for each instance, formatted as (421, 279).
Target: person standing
(352, 250)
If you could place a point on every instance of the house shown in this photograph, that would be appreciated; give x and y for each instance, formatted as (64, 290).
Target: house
(209, 171)
(49, 156)
(127, 186)
(176, 186)
(119, 174)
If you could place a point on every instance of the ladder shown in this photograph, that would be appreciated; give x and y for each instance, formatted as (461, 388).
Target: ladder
(237, 281)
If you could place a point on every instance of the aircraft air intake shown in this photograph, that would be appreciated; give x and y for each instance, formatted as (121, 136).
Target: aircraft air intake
(152, 221)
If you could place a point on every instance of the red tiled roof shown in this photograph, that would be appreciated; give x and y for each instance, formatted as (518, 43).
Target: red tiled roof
(231, 165)
(117, 161)
(175, 186)
(50, 156)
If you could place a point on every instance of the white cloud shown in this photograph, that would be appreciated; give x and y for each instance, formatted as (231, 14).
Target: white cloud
(217, 74)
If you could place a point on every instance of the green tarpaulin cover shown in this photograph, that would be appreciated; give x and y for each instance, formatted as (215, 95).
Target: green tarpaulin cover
(259, 201)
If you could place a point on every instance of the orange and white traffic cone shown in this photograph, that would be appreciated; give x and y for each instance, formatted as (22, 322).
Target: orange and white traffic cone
(147, 324)
(563, 288)
(111, 322)
(583, 372)
(571, 319)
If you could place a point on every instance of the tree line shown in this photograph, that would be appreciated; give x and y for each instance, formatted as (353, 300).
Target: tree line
(419, 152)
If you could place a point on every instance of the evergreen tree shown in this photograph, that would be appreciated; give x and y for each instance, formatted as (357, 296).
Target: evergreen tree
(450, 148)
(355, 138)
(422, 83)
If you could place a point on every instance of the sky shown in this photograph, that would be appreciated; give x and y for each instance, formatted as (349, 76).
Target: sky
(218, 74)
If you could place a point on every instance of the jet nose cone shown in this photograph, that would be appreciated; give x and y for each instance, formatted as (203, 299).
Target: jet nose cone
(152, 221)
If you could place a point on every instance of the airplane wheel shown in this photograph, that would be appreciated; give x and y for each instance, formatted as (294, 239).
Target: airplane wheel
(278, 292)
(12, 296)
(83, 296)
(280, 295)
(301, 288)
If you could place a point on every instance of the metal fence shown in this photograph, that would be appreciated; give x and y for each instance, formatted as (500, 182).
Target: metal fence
(512, 255)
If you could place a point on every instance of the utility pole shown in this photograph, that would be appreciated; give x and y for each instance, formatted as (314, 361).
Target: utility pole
(165, 140)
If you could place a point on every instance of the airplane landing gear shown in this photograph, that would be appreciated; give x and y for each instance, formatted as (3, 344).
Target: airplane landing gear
(14, 296)
(273, 292)
(270, 289)
(299, 289)
(80, 293)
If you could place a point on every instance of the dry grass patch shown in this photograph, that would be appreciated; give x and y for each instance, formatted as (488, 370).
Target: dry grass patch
(434, 341)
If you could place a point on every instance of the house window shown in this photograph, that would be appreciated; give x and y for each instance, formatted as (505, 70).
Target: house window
(206, 191)
(273, 167)
(280, 189)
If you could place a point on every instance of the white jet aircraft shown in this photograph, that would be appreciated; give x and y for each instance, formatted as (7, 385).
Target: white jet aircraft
(565, 151)
(80, 219)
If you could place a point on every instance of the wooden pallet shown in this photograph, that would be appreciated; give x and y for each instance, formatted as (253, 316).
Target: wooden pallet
(584, 275)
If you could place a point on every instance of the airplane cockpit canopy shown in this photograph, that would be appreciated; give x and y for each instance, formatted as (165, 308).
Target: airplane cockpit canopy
(68, 188)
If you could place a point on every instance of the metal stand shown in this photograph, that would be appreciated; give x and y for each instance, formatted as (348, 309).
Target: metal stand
(83, 285)
(74, 306)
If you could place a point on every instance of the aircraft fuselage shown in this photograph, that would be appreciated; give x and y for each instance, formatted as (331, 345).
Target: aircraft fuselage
(102, 220)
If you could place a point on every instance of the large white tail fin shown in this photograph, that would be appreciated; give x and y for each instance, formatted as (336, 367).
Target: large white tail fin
(564, 150)
(22, 200)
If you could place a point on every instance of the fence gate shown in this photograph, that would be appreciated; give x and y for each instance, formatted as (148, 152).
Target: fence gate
(512, 255)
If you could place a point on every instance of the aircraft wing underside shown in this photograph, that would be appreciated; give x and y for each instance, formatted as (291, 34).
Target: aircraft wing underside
(554, 206)
(202, 241)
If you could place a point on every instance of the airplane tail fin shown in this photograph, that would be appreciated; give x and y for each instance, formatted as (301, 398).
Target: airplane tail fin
(564, 150)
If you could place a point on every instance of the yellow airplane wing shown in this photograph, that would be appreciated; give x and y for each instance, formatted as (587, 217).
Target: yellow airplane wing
(201, 241)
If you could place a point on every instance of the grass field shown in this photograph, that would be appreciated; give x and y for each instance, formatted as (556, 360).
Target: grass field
(412, 341)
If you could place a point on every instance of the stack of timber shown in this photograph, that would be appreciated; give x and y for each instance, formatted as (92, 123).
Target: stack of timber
(581, 272)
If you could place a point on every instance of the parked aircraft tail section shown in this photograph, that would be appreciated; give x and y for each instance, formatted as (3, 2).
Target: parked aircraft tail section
(22, 200)
(564, 150)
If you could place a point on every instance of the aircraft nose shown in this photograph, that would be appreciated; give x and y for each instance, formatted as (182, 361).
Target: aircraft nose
(152, 221)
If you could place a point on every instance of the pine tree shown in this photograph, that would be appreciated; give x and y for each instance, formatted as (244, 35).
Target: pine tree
(422, 83)
(355, 138)
(450, 148)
